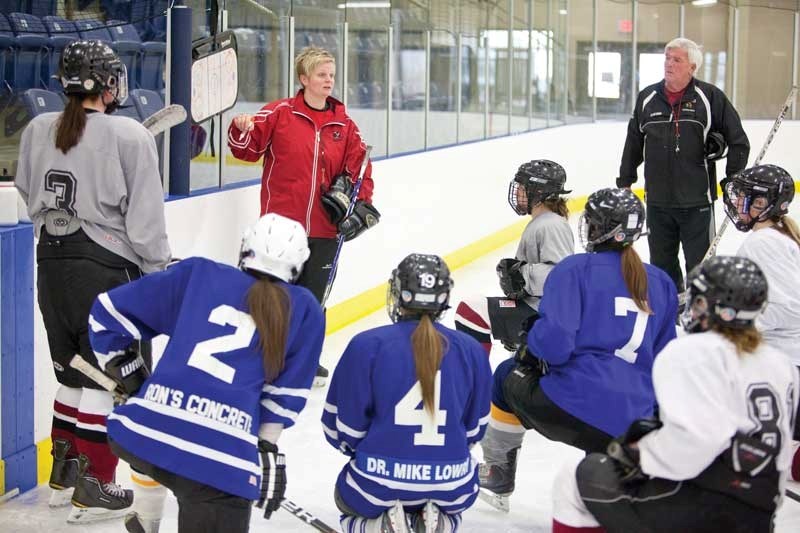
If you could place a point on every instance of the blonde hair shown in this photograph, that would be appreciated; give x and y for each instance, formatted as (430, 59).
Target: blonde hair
(635, 276)
(788, 227)
(310, 58)
(744, 340)
(269, 305)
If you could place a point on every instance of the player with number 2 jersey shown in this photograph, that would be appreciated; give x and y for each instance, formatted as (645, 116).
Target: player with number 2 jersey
(406, 403)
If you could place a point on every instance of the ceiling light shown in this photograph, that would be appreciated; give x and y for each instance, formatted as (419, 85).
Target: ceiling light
(562, 11)
(700, 3)
(352, 5)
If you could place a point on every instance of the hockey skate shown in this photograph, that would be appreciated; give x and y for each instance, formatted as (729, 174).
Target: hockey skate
(431, 520)
(63, 475)
(136, 524)
(394, 520)
(95, 500)
(321, 378)
(497, 481)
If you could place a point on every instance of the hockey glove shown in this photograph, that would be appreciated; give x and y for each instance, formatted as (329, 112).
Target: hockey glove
(626, 456)
(523, 356)
(130, 371)
(273, 478)
(364, 216)
(512, 282)
(336, 200)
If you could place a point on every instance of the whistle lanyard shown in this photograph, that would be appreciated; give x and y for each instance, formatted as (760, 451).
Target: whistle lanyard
(676, 112)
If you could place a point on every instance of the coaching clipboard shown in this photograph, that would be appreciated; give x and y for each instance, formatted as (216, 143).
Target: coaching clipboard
(215, 75)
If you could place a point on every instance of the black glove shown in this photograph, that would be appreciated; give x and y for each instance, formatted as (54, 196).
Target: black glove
(523, 356)
(336, 200)
(273, 478)
(512, 282)
(716, 146)
(130, 371)
(364, 216)
(625, 456)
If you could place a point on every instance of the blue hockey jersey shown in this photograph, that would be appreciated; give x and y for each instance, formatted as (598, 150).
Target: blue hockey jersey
(374, 415)
(600, 346)
(199, 413)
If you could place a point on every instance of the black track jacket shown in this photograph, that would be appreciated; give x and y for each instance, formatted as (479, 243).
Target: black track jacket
(675, 169)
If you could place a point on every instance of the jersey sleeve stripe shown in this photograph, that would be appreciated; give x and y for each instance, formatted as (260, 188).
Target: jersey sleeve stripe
(482, 422)
(331, 408)
(285, 391)
(187, 446)
(95, 325)
(347, 430)
(105, 301)
(274, 408)
(331, 433)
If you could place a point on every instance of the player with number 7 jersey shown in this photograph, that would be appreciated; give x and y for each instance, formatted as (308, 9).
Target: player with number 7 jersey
(406, 403)
(604, 317)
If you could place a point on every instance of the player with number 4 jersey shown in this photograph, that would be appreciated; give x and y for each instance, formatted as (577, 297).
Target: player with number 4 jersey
(406, 403)
(244, 345)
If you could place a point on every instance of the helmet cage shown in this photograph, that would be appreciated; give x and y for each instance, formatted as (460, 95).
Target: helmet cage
(739, 197)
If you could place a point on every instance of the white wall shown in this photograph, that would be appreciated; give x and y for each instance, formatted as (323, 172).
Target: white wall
(433, 202)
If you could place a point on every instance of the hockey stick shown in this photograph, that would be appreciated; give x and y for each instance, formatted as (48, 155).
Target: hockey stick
(98, 376)
(164, 119)
(793, 495)
(713, 248)
(306, 517)
(95, 374)
(353, 198)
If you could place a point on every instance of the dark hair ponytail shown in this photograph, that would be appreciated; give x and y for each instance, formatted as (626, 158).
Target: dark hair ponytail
(71, 124)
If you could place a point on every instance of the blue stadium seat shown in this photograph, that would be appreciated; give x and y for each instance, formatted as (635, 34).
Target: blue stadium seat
(151, 69)
(147, 102)
(38, 101)
(93, 29)
(129, 48)
(62, 32)
(42, 8)
(129, 109)
(7, 43)
(31, 50)
(11, 6)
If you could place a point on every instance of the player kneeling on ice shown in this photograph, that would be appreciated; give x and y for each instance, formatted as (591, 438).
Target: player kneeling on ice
(584, 375)
(758, 199)
(535, 191)
(718, 457)
(406, 403)
(243, 349)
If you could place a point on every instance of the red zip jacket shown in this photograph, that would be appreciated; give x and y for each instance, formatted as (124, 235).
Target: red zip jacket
(303, 151)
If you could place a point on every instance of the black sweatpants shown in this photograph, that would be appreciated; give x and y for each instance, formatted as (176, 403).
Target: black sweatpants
(318, 267)
(201, 508)
(72, 271)
(661, 505)
(669, 227)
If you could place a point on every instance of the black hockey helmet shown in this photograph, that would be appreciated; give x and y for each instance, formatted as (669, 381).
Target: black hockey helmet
(89, 67)
(730, 291)
(541, 179)
(613, 218)
(420, 284)
(765, 188)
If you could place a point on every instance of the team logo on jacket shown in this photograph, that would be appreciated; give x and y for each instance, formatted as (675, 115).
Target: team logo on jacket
(337, 135)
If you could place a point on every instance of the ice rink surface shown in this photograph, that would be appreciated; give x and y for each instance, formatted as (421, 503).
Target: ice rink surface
(313, 465)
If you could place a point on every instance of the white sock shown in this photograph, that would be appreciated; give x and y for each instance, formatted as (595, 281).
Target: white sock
(148, 497)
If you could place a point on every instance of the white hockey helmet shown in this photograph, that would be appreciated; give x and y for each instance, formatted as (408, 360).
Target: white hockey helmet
(276, 246)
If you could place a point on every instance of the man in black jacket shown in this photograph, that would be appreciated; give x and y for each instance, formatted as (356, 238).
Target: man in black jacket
(669, 129)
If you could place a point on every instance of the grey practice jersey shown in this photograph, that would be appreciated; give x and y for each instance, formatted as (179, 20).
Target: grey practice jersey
(109, 181)
(547, 239)
(706, 392)
(778, 256)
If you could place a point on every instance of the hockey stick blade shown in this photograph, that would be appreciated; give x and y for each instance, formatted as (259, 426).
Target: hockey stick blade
(793, 495)
(307, 517)
(498, 501)
(164, 119)
(81, 365)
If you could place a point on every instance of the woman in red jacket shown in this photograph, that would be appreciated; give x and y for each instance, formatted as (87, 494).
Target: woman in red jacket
(312, 156)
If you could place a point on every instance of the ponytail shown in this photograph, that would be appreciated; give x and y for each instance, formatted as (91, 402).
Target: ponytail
(786, 225)
(268, 305)
(71, 124)
(635, 276)
(745, 340)
(428, 346)
(557, 205)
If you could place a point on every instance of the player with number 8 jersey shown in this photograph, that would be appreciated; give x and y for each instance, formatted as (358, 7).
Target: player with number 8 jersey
(406, 403)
